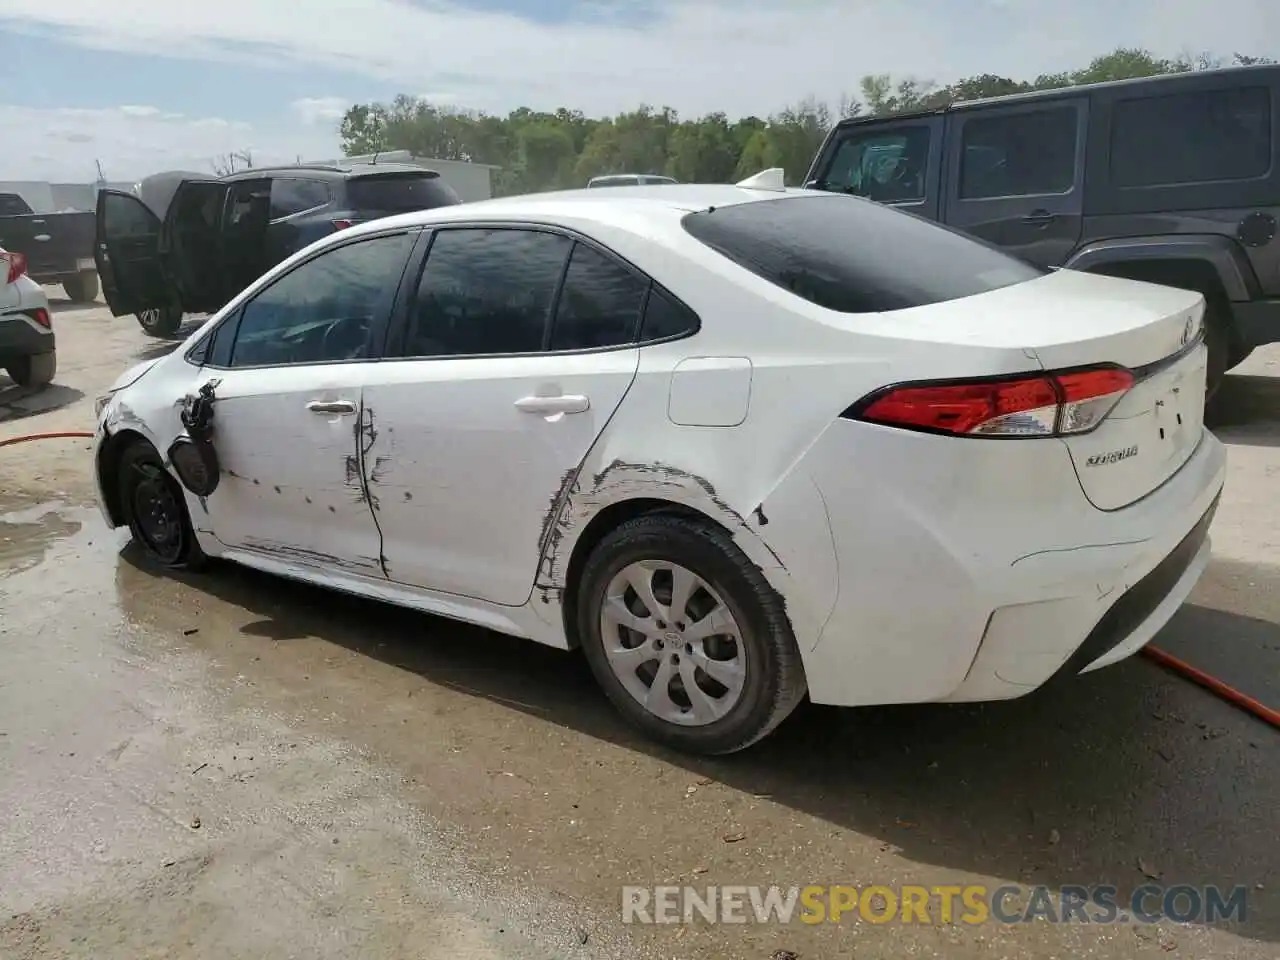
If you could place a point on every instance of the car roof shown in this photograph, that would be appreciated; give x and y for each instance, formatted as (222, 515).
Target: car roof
(621, 206)
(348, 172)
(1246, 73)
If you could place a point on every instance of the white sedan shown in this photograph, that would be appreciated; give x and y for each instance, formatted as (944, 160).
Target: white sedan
(738, 443)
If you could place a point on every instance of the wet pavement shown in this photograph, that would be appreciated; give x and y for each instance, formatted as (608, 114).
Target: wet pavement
(228, 764)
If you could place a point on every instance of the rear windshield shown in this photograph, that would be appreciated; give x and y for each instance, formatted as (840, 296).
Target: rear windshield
(399, 194)
(855, 256)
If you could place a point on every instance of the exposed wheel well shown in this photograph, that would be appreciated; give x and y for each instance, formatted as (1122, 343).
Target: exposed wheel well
(108, 470)
(600, 526)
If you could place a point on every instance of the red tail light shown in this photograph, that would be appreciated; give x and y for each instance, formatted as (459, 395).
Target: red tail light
(1045, 405)
(17, 264)
(342, 224)
(41, 316)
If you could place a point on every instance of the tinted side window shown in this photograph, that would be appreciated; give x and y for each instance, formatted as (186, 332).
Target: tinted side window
(486, 291)
(664, 317)
(126, 216)
(1192, 137)
(1019, 154)
(324, 309)
(289, 196)
(854, 256)
(599, 304)
(888, 166)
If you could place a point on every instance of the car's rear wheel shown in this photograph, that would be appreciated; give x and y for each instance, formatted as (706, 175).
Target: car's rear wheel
(161, 321)
(82, 288)
(155, 509)
(33, 371)
(686, 636)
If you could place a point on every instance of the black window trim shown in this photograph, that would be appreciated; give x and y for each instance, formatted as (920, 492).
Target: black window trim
(376, 339)
(409, 289)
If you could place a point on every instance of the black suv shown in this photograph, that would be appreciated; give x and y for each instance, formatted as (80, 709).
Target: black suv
(185, 243)
(1173, 180)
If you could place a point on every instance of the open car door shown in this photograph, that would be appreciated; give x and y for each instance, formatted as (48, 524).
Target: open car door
(192, 244)
(127, 254)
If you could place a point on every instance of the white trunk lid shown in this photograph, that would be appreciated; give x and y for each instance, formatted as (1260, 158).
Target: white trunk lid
(1154, 331)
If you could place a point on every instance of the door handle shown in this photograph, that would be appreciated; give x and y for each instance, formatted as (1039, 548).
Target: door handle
(331, 406)
(565, 403)
(1040, 218)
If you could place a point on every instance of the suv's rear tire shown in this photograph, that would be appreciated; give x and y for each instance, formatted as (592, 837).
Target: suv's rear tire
(82, 288)
(155, 509)
(161, 321)
(745, 687)
(1218, 340)
(36, 370)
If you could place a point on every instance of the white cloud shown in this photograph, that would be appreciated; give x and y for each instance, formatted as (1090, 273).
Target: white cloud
(740, 56)
(326, 110)
(134, 141)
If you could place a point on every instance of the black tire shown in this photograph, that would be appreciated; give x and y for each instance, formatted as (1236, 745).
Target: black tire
(774, 674)
(161, 322)
(156, 509)
(82, 288)
(1217, 337)
(36, 370)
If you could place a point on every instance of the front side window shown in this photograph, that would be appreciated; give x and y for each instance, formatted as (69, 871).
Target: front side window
(888, 166)
(125, 217)
(599, 303)
(1019, 154)
(486, 291)
(1201, 137)
(323, 310)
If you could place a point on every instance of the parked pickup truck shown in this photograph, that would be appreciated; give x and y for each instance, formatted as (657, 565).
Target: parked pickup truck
(58, 246)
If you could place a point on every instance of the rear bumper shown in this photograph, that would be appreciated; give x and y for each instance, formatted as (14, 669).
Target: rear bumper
(20, 336)
(1257, 322)
(954, 583)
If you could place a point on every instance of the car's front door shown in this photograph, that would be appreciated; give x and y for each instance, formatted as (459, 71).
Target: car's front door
(290, 366)
(516, 349)
(127, 254)
(1015, 177)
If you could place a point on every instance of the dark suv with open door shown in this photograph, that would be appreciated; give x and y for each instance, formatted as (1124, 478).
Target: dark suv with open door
(185, 243)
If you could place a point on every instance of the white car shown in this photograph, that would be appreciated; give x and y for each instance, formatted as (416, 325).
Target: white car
(27, 347)
(735, 442)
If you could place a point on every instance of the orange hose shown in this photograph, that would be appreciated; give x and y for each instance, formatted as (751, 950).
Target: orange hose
(76, 434)
(1230, 694)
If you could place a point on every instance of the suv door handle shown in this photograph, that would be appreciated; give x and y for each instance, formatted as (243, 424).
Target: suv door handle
(331, 406)
(1040, 217)
(565, 403)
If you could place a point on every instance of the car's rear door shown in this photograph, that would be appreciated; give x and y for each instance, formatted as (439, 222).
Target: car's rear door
(127, 255)
(514, 352)
(1015, 176)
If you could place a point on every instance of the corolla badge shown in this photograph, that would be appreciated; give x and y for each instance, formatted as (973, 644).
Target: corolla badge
(1188, 331)
(1114, 456)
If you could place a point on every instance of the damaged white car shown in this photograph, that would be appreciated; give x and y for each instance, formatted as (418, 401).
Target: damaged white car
(735, 442)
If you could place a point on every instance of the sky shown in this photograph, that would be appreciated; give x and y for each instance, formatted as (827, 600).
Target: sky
(149, 85)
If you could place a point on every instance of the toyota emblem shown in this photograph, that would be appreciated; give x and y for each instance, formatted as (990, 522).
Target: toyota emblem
(1188, 330)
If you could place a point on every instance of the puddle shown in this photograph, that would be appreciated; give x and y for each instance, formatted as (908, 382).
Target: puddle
(26, 535)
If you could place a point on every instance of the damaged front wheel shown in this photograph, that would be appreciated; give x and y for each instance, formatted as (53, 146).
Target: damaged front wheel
(156, 510)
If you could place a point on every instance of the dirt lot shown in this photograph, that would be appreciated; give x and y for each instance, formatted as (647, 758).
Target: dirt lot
(231, 765)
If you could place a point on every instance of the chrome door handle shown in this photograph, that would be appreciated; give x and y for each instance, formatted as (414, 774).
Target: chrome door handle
(331, 406)
(566, 403)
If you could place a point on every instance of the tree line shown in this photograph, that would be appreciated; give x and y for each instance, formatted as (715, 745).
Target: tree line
(539, 150)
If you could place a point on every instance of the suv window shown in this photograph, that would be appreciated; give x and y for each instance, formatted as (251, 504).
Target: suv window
(1019, 154)
(399, 193)
(486, 291)
(1192, 137)
(127, 217)
(290, 196)
(887, 166)
(599, 304)
(855, 256)
(324, 309)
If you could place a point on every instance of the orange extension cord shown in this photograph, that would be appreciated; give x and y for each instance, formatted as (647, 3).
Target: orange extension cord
(1213, 684)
